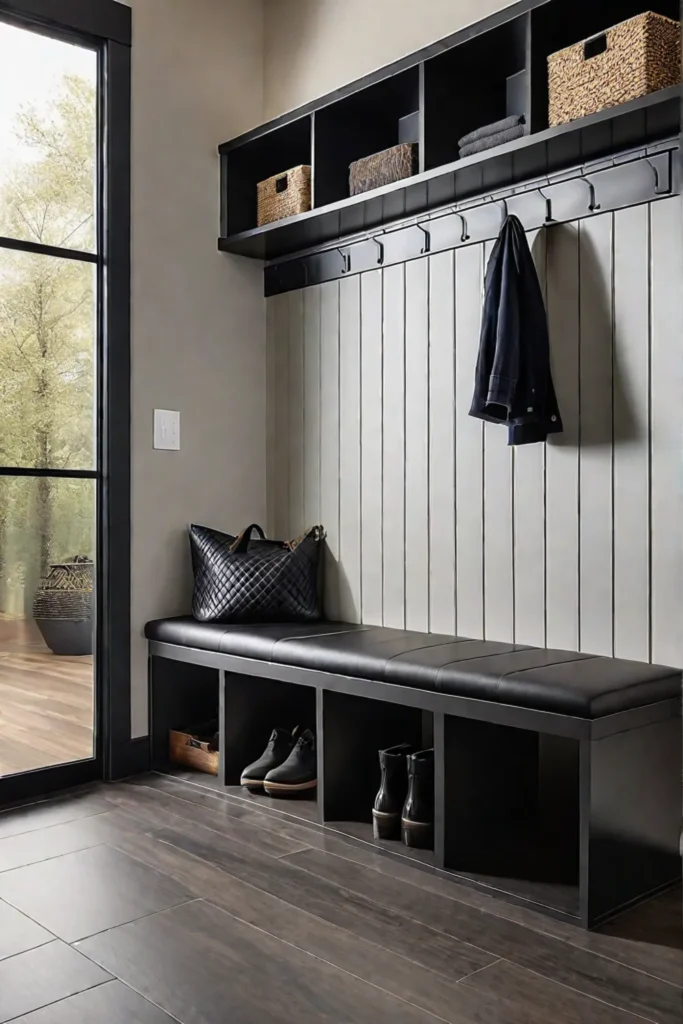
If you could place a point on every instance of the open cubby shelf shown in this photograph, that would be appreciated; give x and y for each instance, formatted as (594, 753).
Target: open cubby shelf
(435, 96)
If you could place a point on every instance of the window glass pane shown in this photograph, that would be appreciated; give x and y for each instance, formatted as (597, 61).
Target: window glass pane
(47, 362)
(48, 118)
(47, 619)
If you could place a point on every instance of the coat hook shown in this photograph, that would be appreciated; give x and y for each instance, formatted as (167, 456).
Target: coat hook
(658, 191)
(593, 205)
(506, 212)
(346, 257)
(428, 240)
(464, 237)
(548, 207)
(380, 250)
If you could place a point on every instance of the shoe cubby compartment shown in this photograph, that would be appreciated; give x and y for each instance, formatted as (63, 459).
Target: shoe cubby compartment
(479, 82)
(253, 707)
(362, 124)
(511, 811)
(181, 696)
(354, 730)
(244, 166)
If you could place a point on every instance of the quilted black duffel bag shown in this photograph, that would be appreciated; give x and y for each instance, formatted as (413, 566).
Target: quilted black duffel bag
(237, 579)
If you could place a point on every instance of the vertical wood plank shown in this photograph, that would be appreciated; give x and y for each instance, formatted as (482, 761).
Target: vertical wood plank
(279, 309)
(417, 445)
(296, 414)
(498, 527)
(595, 455)
(631, 434)
(442, 443)
(562, 450)
(330, 441)
(371, 447)
(311, 406)
(666, 414)
(529, 514)
(271, 344)
(393, 498)
(469, 442)
(349, 450)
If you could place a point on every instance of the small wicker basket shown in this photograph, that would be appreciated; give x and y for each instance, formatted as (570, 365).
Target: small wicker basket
(383, 168)
(636, 57)
(284, 195)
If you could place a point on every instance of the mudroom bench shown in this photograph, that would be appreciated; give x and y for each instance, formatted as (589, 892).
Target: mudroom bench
(557, 774)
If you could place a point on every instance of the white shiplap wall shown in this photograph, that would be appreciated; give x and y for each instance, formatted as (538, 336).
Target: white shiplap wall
(433, 522)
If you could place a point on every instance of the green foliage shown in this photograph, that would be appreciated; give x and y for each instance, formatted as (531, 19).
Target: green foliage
(47, 341)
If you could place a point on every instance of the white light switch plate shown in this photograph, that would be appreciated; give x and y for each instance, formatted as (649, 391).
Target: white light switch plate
(167, 430)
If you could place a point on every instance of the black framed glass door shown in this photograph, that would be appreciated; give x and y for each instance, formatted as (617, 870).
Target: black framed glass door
(52, 404)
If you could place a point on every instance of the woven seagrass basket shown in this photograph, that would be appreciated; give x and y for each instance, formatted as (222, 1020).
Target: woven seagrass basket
(283, 195)
(630, 60)
(383, 168)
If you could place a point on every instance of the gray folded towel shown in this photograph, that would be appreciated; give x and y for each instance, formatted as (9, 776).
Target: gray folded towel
(491, 129)
(491, 141)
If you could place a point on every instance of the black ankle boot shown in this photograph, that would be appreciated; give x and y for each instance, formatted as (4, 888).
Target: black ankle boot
(418, 811)
(386, 812)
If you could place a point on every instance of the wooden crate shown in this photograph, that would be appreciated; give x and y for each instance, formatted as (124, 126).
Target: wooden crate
(194, 749)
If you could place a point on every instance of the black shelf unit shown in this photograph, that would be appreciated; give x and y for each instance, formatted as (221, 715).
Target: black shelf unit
(485, 72)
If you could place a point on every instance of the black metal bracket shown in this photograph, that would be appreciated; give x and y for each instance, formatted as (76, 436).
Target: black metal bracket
(624, 180)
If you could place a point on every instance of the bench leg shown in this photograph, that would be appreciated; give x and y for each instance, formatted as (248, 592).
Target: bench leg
(630, 817)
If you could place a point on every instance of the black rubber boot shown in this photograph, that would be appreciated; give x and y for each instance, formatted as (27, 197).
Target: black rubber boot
(418, 811)
(386, 812)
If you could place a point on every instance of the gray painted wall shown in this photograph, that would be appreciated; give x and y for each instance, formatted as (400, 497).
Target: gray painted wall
(434, 523)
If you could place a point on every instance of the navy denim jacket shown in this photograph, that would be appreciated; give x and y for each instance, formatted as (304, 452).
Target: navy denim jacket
(513, 382)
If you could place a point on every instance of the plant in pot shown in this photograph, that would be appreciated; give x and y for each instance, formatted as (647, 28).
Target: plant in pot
(63, 606)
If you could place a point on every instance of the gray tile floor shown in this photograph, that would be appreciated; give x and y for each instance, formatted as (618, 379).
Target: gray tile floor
(157, 900)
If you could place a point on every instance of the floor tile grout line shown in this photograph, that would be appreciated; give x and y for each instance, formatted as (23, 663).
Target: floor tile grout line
(480, 969)
(308, 913)
(124, 924)
(329, 963)
(603, 1002)
(44, 828)
(46, 860)
(55, 1002)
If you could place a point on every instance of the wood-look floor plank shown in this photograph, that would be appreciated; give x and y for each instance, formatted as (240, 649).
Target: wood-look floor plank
(33, 847)
(648, 938)
(202, 965)
(331, 903)
(112, 1003)
(281, 824)
(577, 968)
(508, 994)
(82, 893)
(156, 807)
(42, 976)
(19, 933)
(31, 817)
(366, 960)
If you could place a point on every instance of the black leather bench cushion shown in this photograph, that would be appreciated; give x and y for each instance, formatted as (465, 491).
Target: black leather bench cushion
(563, 682)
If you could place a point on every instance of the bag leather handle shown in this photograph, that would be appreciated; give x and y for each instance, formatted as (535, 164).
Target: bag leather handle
(243, 540)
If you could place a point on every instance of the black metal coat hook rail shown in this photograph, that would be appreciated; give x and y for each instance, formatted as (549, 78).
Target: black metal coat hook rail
(630, 179)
